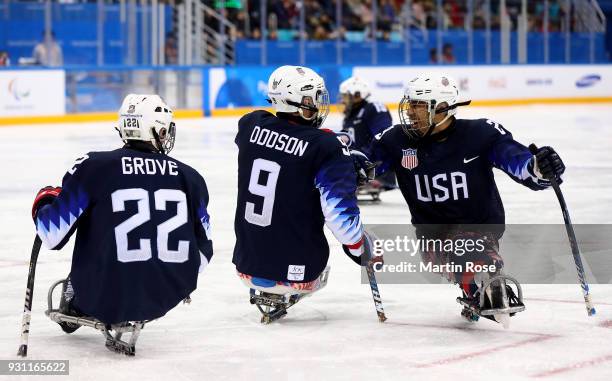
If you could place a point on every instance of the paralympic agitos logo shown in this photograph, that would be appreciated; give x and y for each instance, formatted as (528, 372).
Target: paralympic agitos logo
(17, 90)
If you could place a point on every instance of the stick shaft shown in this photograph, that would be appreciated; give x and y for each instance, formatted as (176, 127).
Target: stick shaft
(575, 250)
(573, 242)
(380, 311)
(27, 308)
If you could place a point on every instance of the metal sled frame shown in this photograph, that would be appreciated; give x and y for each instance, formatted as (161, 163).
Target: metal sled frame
(374, 194)
(113, 343)
(274, 306)
(506, 309)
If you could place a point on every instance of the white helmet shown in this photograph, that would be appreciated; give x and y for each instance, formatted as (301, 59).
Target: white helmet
(351, 88)
(299, 89)
(421, 102)
(146, 117)
(355, 86)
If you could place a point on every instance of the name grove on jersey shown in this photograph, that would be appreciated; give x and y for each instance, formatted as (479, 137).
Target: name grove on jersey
(280, 142)
(140, 166)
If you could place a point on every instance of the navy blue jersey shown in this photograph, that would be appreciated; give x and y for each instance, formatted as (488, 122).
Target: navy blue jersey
(364, 122)
(292, 179)
(143, 232)
(450, 181)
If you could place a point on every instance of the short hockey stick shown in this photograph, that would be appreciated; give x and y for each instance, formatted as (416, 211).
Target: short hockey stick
(573, 243)
(27, 309)
(380, 311)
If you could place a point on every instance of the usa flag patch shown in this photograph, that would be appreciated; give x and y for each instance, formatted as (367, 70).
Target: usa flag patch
(409, 158)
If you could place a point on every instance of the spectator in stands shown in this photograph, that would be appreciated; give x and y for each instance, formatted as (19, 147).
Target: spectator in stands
(448, 57)
(48, 52)
(433, 56)
(4, 59)
(386, 17)
(240, 20)
(320, 33)
(286, 14)
(455, 14)
(419, 15)
(171, 49)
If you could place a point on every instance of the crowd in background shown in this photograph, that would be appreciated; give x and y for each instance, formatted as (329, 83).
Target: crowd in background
(282, 20)
(283, 17)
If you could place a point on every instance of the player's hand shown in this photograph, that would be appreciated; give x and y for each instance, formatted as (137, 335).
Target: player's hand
(345, 137)
(354, 252)
(44, 197)
(549, 164)
(366, 170)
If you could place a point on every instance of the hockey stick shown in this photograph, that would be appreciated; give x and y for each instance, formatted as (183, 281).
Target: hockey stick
(573, 243)
(27, 309)
(380, 311)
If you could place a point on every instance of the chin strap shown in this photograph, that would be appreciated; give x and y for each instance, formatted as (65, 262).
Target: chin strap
(452, 107)
(442, 110)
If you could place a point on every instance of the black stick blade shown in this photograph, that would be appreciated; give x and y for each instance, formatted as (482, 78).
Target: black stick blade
(23, 350)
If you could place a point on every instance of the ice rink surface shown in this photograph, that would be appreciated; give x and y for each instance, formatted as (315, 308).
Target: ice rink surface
(334, 334)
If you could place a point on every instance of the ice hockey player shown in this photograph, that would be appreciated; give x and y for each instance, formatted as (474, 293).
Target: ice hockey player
(292, 178)
(444, 167)
(143, 231)
(363, 119)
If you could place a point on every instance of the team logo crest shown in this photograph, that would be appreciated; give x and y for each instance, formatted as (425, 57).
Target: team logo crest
(131, 109)
(409, 158)
(275, 83)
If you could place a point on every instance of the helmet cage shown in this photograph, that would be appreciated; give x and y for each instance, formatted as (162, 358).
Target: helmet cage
(414, 124)
(166, 142)
(320, 109)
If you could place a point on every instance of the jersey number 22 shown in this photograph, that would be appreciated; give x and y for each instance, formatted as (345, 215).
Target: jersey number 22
(161, 196)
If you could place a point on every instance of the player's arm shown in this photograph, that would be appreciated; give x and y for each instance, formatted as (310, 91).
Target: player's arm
(56, 211)
(378, 119)
(202, 228)
(520, 164)
(241, 126)
(379, 155)
(336, 180)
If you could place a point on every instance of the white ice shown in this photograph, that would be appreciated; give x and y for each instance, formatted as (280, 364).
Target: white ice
(335, 334)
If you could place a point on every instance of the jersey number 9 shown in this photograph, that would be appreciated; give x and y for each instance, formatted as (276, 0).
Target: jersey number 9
(267, 191)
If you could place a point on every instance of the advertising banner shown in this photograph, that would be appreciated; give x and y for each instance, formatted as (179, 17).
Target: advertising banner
(482, 83)
(32, 92)
(247, 86)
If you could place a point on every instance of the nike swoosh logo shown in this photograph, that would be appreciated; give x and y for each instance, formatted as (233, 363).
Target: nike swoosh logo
(465, 161)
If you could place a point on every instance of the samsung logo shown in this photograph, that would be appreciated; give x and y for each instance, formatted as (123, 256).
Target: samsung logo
(588, 80)
(391, 85)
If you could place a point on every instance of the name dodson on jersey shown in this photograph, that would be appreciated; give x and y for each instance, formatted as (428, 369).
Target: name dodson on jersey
(279, 142)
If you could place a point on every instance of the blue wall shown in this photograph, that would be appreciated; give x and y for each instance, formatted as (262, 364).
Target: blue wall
(393, 53)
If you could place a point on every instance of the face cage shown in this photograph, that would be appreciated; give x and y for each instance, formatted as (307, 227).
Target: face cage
(414, 126)
(168, 142)
(322, 104)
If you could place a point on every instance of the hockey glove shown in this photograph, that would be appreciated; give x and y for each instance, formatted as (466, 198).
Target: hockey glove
(44, 197)
(366, 170)
(345, 137)
(360, 254)
(548, 164)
